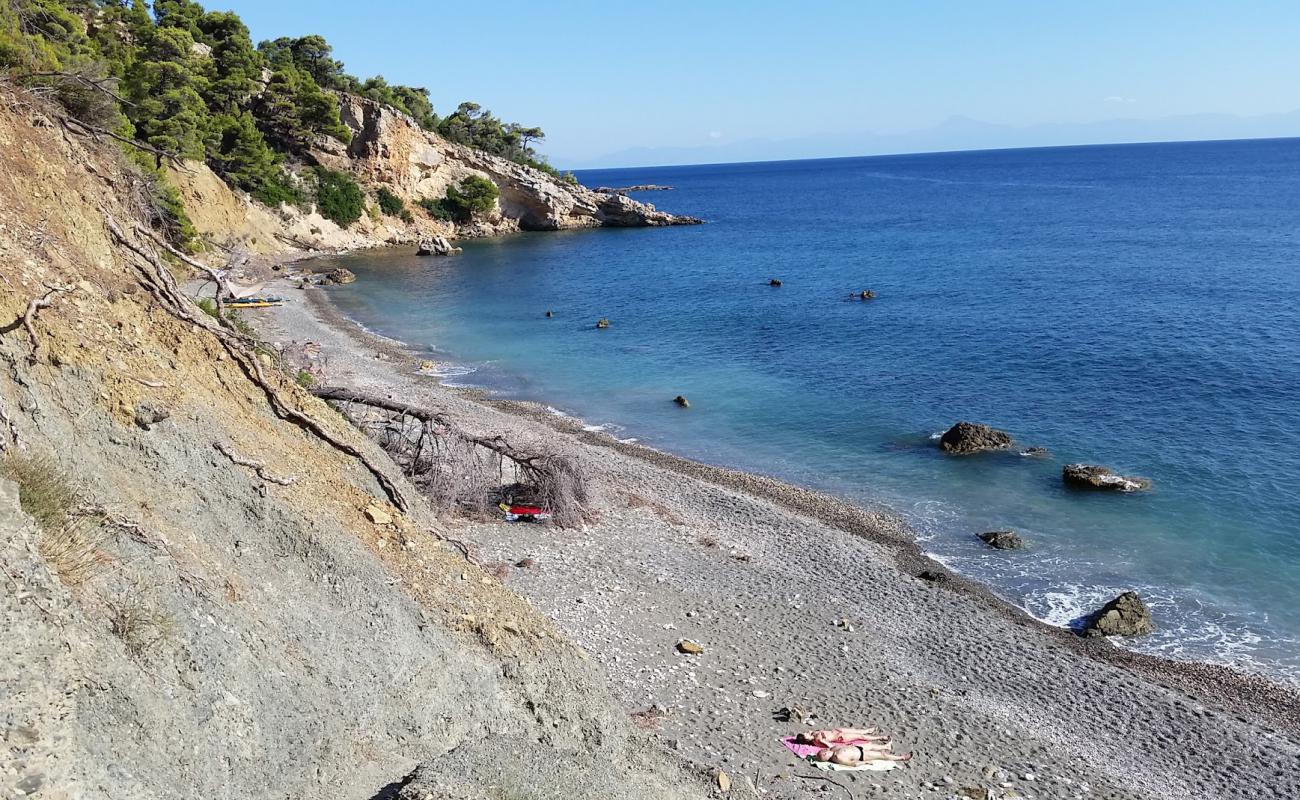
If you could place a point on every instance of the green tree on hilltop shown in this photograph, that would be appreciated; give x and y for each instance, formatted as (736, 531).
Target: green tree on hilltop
(235, 67)
(168, 111)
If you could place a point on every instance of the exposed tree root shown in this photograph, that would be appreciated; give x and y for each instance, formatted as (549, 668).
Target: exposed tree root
(155, 277)
(34, 308)
(258, 467)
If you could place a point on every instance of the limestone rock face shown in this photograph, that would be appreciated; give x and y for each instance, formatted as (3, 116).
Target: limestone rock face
(1126, 615)
(389, 147)
(1088, 476)
(966, 438)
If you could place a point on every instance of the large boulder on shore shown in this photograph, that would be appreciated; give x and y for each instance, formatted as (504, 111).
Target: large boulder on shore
(1088, 476)
(966, 438)
(437, 246)
(1126, 615)
(340, 275)
(1002, 540)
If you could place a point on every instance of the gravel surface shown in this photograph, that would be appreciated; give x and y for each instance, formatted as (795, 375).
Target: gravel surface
(802, 601)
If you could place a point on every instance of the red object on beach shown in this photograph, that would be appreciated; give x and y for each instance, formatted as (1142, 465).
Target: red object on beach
(519, 512)
(530, 511)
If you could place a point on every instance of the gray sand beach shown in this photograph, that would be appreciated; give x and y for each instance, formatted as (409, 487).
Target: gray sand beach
(802, 601)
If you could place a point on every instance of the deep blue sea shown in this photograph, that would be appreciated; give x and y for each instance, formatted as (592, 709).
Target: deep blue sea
(1135, 306)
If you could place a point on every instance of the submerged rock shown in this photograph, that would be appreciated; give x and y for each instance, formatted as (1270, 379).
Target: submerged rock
(1002, 540)
(437, 246)
(1126, 615)
(1088, 476)
(1035, 452)
(966, 438)
(774, 282)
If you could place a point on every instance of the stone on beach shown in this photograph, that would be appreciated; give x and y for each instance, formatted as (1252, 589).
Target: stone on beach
(689, 648)
(1002, 540)
(378, 516)
(966, 438)
(1126, 615)
(1088, 476)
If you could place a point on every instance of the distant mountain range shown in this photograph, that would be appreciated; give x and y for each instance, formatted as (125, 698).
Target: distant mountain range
(960, 133)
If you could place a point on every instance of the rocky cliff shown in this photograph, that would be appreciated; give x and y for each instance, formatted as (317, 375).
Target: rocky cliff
(207, 589)
(389, 149)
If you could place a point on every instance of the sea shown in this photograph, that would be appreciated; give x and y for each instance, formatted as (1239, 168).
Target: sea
(1134, 306)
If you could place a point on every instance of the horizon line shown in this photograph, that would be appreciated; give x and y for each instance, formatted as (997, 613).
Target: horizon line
(943, 152)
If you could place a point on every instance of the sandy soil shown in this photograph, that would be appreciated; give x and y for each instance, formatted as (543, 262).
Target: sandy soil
(800, 600)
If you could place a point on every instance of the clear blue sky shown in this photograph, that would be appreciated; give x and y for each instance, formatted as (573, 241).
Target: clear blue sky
(601, 76)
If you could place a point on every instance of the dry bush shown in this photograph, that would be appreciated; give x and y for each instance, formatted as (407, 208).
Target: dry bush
(75, 550)
(139, 623)
(44, 491)
(71, 543)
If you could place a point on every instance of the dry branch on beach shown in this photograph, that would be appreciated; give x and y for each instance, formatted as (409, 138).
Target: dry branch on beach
(460, 470)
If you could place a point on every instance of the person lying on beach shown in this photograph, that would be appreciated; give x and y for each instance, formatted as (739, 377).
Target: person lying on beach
(853, 755)
(838, 736)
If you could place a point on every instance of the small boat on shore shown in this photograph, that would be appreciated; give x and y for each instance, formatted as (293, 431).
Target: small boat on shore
(255, 302)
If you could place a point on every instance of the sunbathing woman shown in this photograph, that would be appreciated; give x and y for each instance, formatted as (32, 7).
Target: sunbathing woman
(838, 736)
(853, 755)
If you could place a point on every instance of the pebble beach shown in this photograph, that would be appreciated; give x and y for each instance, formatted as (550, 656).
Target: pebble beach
(810, 613)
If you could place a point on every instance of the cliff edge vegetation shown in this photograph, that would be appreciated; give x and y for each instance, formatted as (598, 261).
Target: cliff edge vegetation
(274, 147)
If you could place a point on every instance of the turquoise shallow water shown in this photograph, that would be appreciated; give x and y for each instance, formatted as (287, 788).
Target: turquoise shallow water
(1136, 306)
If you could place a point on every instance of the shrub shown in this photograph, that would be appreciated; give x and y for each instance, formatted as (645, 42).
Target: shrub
(135, 618)
(277, 190)
(338, 197)
(474, 195)
(208, 305)
(389, 203)
(437, 208)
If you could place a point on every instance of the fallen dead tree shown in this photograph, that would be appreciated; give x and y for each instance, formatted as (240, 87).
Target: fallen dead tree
(462, 471)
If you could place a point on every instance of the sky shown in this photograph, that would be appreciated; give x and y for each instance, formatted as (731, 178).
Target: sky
(604, 79)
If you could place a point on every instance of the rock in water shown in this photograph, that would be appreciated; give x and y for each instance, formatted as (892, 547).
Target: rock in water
(867, 294)
(550, 314)
(1002, 540)
(340, 275)
(602, 323)
(1126, 615)
(1035, 452)
(682, 401)
(437, 246)
(774, 282)
(966, 438)
(1088, 476)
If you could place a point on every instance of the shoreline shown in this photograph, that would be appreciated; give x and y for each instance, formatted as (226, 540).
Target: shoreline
(883, 526)
(1221, 694)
